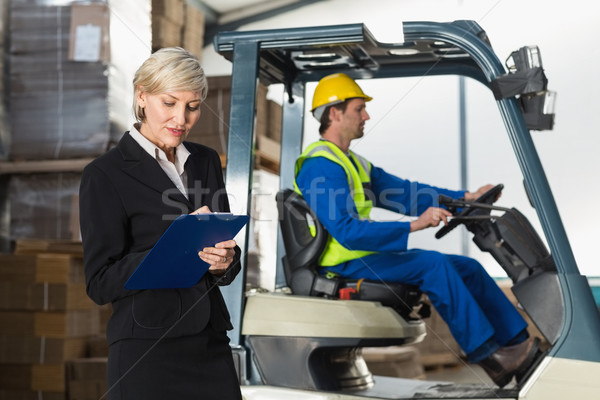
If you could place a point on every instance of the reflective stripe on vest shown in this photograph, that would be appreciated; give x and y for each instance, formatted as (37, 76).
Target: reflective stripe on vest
(359, 177)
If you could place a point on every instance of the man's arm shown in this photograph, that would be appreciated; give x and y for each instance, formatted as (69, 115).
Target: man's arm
(404, 196)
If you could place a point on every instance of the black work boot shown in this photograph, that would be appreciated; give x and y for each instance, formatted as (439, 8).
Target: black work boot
(508, 361)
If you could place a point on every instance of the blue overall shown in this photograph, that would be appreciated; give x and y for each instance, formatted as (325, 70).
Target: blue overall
(478, 314)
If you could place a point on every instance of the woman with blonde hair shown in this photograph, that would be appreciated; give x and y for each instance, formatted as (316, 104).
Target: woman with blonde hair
(163, 343)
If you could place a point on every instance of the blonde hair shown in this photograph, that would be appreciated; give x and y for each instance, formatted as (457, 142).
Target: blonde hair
(170, 69)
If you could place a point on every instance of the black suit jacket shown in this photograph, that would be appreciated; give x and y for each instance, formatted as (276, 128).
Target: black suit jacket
(126, 203)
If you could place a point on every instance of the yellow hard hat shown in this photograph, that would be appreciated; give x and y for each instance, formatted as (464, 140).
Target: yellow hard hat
(334, 89)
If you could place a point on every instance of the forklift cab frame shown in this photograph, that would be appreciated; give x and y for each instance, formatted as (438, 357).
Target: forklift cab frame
(295, 56)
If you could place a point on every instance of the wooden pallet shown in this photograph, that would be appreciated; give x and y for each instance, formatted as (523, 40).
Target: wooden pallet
(437, 361)
(266, 162)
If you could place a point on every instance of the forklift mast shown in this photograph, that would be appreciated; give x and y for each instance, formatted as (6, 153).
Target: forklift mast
(295, 56)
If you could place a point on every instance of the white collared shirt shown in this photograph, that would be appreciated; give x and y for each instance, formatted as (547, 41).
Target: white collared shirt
(174, 170)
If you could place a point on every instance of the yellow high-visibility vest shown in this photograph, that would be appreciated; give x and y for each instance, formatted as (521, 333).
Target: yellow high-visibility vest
(358, 176)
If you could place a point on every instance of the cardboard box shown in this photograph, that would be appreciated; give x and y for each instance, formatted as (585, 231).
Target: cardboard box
(212, 129)
(268, 118)
(215, 142)
(58, 108)
(35, 246)
(172, 10)
(268, 133)
(87, 390)
(4, 133)
(42, 377)
(44, 296)
(17, 349)
(193, 31)
(275, 120)
(165, 33)
(32, 268)
(90, 33)
(61, 325)
(97, 346)
(262, 111)
(41, 205)
(269, 148)
(31, 395)
(86, 378)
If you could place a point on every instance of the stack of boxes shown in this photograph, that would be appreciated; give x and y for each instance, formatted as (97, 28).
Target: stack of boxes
(213, 128)
(68, 99)
(68, 92)
(167, 23)
(46, 320)
(58, 94)
(86, 379)
(3, 128)
(176, 23)
(44, 205)
(268, 133)
(193, 30)
(57, 89)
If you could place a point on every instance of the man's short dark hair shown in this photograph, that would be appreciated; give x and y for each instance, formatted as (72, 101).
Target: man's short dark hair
(325, 121)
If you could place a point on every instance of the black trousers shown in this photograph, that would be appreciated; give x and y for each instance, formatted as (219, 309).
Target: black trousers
(198, 367)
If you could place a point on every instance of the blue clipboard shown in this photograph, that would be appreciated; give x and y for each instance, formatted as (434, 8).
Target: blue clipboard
(173, 262)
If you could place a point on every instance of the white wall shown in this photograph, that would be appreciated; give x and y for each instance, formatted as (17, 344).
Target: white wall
(414, 127)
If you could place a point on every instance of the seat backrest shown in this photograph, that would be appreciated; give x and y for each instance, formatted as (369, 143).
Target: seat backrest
(302, 247)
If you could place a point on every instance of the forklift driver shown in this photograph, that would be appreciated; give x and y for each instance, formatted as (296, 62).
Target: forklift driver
(342, 187)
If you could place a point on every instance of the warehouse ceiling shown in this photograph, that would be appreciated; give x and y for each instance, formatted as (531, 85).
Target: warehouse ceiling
(229, 15)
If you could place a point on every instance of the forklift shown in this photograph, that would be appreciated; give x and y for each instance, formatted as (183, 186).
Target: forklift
(304, 340)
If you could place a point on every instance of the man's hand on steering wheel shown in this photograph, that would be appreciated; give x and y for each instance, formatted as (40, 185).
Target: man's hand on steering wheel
(430, 218)
(487, 194)
(472, 196)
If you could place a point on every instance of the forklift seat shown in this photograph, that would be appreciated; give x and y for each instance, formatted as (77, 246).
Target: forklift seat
(304, 239)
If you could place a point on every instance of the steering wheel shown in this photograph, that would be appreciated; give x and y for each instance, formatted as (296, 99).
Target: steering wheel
(488, 197)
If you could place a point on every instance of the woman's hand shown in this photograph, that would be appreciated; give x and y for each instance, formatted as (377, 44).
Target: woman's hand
(219, 257)
(202, 210)
(431, 217)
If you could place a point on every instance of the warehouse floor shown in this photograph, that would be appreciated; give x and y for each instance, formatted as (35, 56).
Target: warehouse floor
(459, 374)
